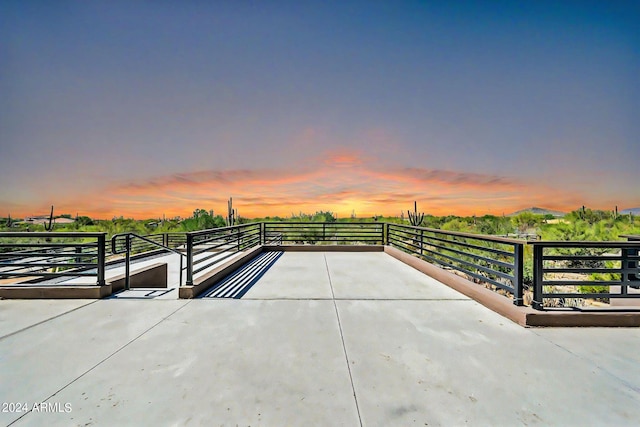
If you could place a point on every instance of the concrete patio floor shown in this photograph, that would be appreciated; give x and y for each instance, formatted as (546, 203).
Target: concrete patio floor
(326, 339)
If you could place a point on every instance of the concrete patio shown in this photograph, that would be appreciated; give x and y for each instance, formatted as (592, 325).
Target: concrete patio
(317, 338)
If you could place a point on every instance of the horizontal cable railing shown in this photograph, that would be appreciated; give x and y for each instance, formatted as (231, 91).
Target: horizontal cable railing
(207, 248)
(347, 233)
(578, 270)
(48, 255)
(493, 260)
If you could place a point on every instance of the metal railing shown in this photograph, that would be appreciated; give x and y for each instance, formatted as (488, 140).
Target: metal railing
(560, 269)
(123, 243)
(585, 270)
(47, 255)
(338, 233)
(493, 260)
(207, 248)
(150, 242)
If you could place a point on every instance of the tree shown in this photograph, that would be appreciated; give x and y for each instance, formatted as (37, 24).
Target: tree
(527, 220)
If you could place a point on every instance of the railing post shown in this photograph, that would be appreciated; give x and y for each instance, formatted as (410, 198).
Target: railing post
(518, 286)
(189, 260)
(421, 243)
(263, 239)
(79, 251)
(101, 259)
(127, 267)
(538, 277)
(385, 237)
(238, 237)
(633, 277)
(324, 232)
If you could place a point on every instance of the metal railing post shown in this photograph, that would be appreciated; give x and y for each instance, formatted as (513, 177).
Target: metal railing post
(189, 260)
(421, 243)
(386, 231)
(633, 277)
(78, 251)
(263, 238)
(101, 259)
(518, 284)
(538, 277)
(127, 268)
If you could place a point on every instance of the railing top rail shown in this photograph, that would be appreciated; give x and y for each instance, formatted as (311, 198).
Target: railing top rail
(215, 230)
(49, 234)
(320, 223)
(586, 244)
(462, 234)
(115, 236)
(631, 236)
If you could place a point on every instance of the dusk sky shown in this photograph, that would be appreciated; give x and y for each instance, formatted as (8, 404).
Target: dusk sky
(142, 109)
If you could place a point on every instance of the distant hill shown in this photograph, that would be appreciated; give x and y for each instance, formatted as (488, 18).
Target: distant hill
(539, 211)
(633, 211)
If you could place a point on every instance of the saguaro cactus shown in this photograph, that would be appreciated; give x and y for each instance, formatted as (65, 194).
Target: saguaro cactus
(415, 218)
(49, 227)
(231, 213)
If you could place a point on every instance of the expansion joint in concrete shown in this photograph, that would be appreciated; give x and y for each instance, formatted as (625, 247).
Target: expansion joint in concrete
(46, 320)
(344, 347)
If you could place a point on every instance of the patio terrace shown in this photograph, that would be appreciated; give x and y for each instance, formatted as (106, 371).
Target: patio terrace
(316, 338)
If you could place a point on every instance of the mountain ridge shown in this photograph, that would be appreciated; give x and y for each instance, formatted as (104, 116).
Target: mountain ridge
(539, 211)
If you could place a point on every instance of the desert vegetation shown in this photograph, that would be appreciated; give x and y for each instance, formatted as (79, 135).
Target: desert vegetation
(579, 225)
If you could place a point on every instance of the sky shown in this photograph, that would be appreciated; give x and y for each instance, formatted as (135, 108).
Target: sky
(144, 109)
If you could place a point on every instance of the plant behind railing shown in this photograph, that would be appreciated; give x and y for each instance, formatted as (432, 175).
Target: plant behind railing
(49, 255)
(492, 260)
(568, 271)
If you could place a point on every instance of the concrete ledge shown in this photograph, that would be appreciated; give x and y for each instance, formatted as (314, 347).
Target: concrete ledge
(324, 248)
(210, 278)
(55, 292)
(581, 318)
(151, 276)
(524, 316)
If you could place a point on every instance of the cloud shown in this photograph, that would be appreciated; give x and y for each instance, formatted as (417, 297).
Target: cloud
(340, 180)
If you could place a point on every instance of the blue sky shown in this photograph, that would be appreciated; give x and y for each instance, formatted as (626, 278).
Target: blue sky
(144, 108)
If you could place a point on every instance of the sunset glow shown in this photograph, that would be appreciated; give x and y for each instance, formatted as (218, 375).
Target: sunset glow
(338, 183)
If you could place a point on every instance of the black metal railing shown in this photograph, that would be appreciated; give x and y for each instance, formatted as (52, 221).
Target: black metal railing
(493, 260)
(124, 243)
(337, 233)
(42, 256)
(175, 240)
(207, 248)
(561, 270)
(579, 270)
(149, 242)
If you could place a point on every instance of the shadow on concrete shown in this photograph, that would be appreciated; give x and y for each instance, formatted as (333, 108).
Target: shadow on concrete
(140, 293)
(238, 283)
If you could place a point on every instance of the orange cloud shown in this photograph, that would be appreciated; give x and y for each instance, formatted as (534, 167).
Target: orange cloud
(341, 181)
